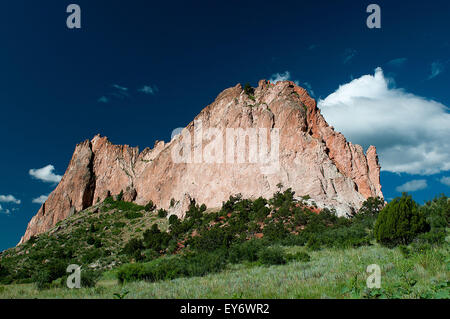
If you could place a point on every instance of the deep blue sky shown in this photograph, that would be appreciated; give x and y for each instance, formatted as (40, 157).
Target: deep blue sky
(51, 77)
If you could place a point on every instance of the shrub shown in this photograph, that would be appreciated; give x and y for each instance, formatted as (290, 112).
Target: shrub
(246, 251)
(98, 243)
(313, 243)
(49, 272)
(120, 196)
(119, 224)
(133, 215)
(212, 239)
(275, 231)
(173, 219)
(400, 222)
(162, 213)
(299, 256)
(131, 272)
(168, 268)
(91, 255)
(133, 247)
(109, 200)
(90, 240)
(150, 207)
(93, 228)
(271, 256)
(155, 239)
(5, 275)
(248, 89)
(42, 279)
(89, 278)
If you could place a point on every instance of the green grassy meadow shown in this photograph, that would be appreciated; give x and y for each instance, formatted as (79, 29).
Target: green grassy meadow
(331, 273)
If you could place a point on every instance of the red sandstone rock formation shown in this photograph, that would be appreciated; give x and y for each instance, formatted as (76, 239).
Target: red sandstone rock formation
(313, 159)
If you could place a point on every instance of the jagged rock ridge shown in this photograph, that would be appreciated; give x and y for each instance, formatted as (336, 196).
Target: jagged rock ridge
(313, 160)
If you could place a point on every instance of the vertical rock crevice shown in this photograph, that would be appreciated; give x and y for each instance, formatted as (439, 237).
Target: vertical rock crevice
(89, 191)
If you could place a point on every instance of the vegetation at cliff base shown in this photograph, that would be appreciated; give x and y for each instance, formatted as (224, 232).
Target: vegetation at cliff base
(121, 244)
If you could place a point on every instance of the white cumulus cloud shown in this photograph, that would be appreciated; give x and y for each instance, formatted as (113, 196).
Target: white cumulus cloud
(45, 174)
(9, 199)
(411, 133)
(412, 186)
(40, 200)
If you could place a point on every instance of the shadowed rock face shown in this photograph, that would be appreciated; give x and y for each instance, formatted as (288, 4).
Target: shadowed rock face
(313, 159)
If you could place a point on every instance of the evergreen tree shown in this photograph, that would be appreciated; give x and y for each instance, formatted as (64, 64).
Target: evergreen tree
(400, 222)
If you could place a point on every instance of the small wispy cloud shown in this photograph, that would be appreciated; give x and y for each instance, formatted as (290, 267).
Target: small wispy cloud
(45, 174)
(120, 88)
(436, 69)
(277, 77)
(412, 186)
(397, 62)
(445, 180)
(348, 55)
(309, 88)
(9, 199)
(103, 99)
(40, 200)
(4, 210)
(120, 92)
(148, 89)
(312, 47)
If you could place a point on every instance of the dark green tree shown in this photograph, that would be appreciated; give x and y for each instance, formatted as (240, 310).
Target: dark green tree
(248, 89)
(400, 222)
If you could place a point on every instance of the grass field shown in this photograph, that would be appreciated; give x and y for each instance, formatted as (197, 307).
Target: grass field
(331, 273)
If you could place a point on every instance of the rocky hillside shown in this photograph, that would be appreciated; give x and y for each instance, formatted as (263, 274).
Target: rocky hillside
(307, 156)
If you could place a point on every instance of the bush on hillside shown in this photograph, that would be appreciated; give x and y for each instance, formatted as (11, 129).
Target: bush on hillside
(133, 248)
(150, 206)
(89, 278)
(49, 272)
(173, 219)
(248, 89)
(212, 239)
(5, 275)
(246, 251)
(271, 256)
(299, 256)
(168, 268)
(155, 239)
(162, 213)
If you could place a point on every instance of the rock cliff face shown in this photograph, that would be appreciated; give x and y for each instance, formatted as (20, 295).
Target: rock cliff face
(281, 137)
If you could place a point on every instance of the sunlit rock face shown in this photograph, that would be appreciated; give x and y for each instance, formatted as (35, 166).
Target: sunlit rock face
(245, 142)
